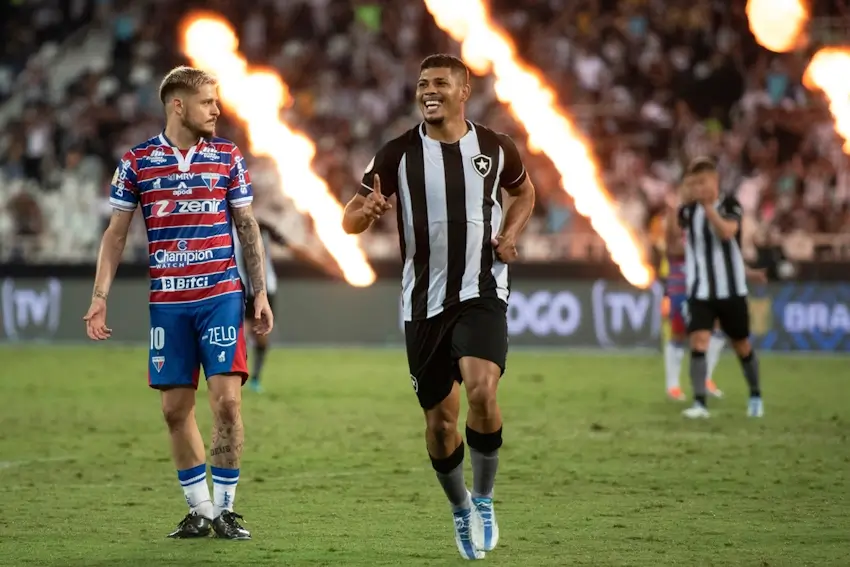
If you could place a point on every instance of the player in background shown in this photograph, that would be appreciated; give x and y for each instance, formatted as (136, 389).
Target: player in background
(448, 174)
(677, 294)
(260, 341)
(191, 188)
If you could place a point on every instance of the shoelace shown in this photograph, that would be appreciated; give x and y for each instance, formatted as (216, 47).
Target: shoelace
(485, 510)
(462, 522)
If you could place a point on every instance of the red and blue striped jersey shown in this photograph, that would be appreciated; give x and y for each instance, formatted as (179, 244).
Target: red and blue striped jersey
(186, 201)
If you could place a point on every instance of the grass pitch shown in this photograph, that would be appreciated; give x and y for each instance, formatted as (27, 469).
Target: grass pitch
(597, 467)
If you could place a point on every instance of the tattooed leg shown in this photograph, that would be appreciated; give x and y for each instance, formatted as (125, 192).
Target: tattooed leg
(227, 440)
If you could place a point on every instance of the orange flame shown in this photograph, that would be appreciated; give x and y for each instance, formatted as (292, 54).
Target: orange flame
(777, 24)
(829, 71)
(485, 48)
(257, 97)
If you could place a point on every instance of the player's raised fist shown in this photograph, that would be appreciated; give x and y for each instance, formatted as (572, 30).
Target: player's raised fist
(95, 320)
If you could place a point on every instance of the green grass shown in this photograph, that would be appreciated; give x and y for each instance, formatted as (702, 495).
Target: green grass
(597, 467)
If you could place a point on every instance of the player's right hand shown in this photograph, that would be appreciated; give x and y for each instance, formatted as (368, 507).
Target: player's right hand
(95, 320)
(376, 204)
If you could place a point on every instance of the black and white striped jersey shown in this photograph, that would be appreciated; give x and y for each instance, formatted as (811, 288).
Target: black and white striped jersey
(714, 268)
(449, 208)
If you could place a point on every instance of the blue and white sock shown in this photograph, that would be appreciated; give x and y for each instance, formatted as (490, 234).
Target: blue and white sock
(224, 489)
(196, 490)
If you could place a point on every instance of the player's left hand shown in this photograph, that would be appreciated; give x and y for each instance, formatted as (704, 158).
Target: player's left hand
(505, 245)
(263, 317)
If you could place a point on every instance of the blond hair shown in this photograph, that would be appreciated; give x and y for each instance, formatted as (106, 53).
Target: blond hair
(184, 78)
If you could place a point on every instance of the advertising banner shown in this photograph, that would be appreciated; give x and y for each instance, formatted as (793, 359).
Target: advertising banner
(541, 313)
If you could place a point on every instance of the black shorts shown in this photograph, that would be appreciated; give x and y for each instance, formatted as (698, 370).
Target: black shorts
(476, 327)
(732, 313)
(249, 305)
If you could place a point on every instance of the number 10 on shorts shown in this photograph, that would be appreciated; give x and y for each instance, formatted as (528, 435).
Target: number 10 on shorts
(157, 338)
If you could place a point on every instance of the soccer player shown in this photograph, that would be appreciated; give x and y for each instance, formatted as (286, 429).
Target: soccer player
(717, 282)
(456, 241)
(191, 188)
(260, 341)
(677, 293)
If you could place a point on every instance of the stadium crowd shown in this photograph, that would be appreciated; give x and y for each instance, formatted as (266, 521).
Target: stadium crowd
(650, 83)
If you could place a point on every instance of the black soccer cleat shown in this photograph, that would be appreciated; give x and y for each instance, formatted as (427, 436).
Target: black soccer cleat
(226, 526)
(192, 526)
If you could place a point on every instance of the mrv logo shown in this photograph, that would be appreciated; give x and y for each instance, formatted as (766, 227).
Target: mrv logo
(627, 315)
(30, 312)
(180, 284)
(180, 259)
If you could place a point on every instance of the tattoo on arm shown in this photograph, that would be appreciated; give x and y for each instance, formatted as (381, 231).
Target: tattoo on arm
(248, 231)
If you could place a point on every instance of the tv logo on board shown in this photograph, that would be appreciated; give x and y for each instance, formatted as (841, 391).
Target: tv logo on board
(631, 314)
(172, 283)
(30, 312)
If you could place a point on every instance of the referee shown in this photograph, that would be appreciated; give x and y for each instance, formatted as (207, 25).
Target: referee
(716, 277)
(447, 174)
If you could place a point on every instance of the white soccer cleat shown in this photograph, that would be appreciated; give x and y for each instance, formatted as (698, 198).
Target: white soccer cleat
(696, 411)
(755, 408)
(467, 525)
(486, 530)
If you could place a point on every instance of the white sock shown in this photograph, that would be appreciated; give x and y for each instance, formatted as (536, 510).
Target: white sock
(674, 352)
(712, 357)
(224, 488)
(196, 490)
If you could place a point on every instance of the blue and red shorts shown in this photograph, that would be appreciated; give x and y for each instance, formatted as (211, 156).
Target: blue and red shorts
(678, 319)
(184, 338)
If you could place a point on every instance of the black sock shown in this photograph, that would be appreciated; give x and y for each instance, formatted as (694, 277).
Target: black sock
(699, 374)
(750, 366)
(450, 474)
(259, 359)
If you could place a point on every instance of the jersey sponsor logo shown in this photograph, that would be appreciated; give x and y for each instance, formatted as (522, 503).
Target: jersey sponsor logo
(221, 336)
(181, 176)
(120, 177)
(210, 153)
(166, 207)
(157, 157)
(173, 283)
(181, 259)
(482, 164)
(240, 175)
(28, 312)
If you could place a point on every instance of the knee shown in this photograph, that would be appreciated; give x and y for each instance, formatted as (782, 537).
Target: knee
(742, 348)
(481, 395)
(226, 408)
(176, 415)
(699, 340)
(441, 427)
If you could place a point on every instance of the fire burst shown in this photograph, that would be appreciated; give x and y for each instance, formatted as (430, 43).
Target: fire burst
(257, 97)
(532, 103)
(829, 71)
(777, 24)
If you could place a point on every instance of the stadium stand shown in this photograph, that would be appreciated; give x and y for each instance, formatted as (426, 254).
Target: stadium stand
(649, 82)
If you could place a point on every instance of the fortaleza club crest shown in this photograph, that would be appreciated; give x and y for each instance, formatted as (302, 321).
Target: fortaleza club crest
(210, 180)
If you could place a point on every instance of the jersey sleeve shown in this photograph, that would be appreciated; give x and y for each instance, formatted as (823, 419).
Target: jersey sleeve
(385, 165)
(513, 173)
(124, 189)
(240, 193)
(731, 209)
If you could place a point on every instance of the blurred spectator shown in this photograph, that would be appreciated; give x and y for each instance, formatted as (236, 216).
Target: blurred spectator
(650, 84)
